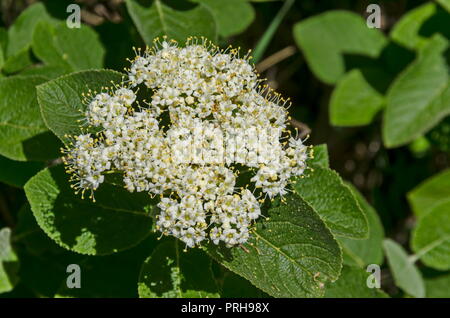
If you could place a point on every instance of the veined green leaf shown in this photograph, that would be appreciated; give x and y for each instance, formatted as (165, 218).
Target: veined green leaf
(431, 192)
(172, 273)
(325, 192)
(419, 98)
(116, 221)
(290, 254)
(366, 251)
(176, 19)
(21, 32)
(325, 38)
(354, 101)
(61, 99)
(23, 134)
(431, 237)
(231, 16)
(321, 159)
(74, 49)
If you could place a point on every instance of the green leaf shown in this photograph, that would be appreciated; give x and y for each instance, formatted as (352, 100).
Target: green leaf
(73, 49)
(419, 98)
(431, 237)
(438, 287)
(431, 192)
(354, 101)
(116, 221)
(23, 135)
(18, 62)
(320, 158)
(178, 20)
(3, 41)
(370, 250)
(231, 16)
(325, 38)
(17, 173)
(48, 71)
(8, 262)
(61, 100)
(171, 272)
(2, 57)
(353, 284)
(405, 273)
(21, 32)
(326, 193)
(290, 254)
(406, 31)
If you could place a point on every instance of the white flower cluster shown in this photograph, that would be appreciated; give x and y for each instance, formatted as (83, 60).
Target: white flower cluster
(189, 88)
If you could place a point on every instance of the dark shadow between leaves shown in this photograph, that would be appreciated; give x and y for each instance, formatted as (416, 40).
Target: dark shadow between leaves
(381, 72)
(439, 22)
(41, 147)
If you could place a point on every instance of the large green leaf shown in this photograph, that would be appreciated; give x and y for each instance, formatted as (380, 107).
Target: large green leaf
(290, 254)
(231, 16)
(48, 71)
(20, 36)
(431, 192)
(325, 38)
(405, 273)
(415, 27)
(366, 251)
(354, 101)
(171, 272)
(18, 62)
(116, 221)
(320, 156)
(61, 99)
(353, 284)
(431, 238)
(23, 134)
(74, 49)
(419, 98)
(2, 56)
(21, 32)
(406, 31)
(326, 193)
(438, 287)
(176, 19)
(8, 262)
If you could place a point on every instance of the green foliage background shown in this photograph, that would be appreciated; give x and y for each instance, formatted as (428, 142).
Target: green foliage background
(376, 103)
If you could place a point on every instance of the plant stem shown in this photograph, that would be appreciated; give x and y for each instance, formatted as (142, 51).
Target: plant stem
(263, 43)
